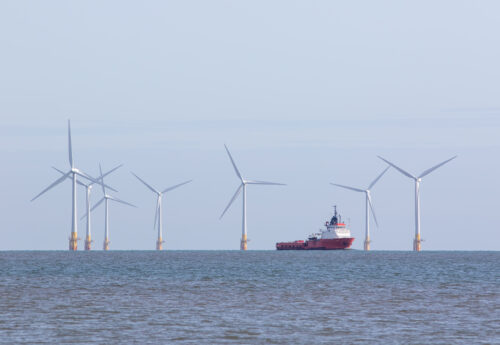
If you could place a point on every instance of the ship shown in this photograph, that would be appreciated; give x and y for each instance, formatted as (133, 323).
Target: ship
(335, 236)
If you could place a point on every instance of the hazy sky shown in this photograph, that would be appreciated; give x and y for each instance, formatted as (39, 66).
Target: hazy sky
(303, 92)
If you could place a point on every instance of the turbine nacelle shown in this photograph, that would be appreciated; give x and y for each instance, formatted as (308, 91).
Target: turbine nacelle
(423, 174)
(89, 186)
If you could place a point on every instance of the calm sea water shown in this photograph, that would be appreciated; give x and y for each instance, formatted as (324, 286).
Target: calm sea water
(254, 297)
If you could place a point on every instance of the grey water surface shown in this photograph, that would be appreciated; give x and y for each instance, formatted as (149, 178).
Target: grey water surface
(254, 297)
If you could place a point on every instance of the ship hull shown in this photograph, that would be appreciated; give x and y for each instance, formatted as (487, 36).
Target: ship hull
(319, 244)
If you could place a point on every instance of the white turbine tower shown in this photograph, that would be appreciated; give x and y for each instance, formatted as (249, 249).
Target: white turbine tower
(72, 173)
(417, 241)
(243, 185)
(368, 206)
(158, 212)
(88, 188)
(105, 198)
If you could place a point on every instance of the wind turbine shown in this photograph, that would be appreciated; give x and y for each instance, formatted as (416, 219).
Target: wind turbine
(368, 206)
(243, 185)
(72, 173)
(105, 198)
(417, 241)
(88, 188)
(158, 212)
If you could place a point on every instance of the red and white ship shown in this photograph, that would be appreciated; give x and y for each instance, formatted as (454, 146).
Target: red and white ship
(336, 236)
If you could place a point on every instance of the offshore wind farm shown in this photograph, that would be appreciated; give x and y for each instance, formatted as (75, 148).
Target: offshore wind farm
(73, 173)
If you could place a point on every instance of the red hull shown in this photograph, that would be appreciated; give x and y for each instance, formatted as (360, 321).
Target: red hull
(330, 244)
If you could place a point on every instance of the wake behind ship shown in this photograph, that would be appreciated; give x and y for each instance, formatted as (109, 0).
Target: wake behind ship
(336, 236)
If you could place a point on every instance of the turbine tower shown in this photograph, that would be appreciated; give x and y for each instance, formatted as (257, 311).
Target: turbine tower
(243, 185)
(88, 238)
(417, 241)
(368, 206)
(158, 212)
(105, 198)
(88, 188)
(72, 173)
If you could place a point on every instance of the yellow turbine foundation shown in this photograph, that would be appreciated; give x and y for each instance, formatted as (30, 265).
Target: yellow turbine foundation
(243, 245)
(417, 243)
(159, 244)
(105, 246)
(87, 243)
(73, 241)
(367, 243)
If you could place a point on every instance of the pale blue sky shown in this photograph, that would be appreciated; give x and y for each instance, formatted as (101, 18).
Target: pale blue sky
(302, 92)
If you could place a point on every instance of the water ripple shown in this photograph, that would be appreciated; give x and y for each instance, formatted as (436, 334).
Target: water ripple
(226, 297)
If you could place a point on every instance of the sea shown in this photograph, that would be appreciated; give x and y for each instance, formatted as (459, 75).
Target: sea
(253, 297)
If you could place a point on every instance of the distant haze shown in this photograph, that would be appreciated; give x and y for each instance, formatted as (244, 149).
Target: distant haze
(302, 92)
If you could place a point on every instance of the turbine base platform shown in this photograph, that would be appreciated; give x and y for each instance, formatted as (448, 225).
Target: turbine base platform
(105, 245)
(73, 242)
(367, 244)
(159, 244)
(88, 241)
(417, 243)
(243, 244)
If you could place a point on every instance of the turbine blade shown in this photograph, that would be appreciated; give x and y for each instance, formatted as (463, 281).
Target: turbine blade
(145, 183)
(371, 208)
(347, 187)
(109, 172)
(156, 213)
(176, 186)
(62, 172)
(101, 180)
(238, 191)
(95, 206)
(106, 174)
(85, 175)
(398, 168)
(77, 181)
(264, 182)
(234, 164)
(59, 180)
(120, 201)
(93, 180)
(81, 184)
(428, 171)
(378, 178)
(70, 149)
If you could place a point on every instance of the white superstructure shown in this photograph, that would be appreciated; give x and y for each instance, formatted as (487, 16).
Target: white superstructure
(334, 229)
